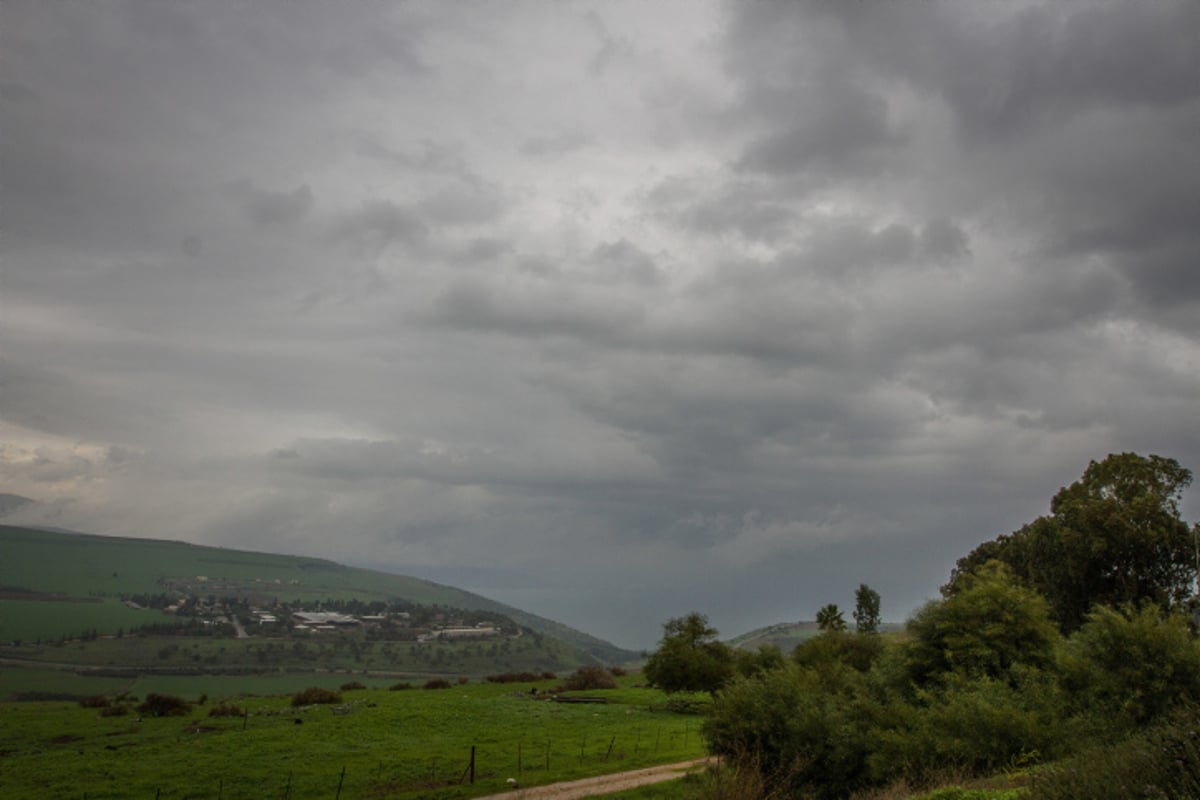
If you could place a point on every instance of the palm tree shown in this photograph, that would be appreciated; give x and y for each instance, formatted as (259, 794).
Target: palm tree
(830, 619)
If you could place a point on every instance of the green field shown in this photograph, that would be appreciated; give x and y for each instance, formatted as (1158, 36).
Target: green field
(390, 744)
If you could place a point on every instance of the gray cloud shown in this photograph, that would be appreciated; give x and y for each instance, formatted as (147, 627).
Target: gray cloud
(610, 311)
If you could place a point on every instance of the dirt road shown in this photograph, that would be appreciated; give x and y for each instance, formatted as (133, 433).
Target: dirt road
(601, 784)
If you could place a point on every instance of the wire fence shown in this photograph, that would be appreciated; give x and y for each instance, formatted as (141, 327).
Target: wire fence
(490, 766)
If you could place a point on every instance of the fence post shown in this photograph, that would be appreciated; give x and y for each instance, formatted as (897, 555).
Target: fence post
(338, 796)
(547, 755)
(610, 747)
(519, 776)
(472, 764)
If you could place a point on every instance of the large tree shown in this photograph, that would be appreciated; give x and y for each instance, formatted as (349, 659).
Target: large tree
(689, 657)
(1114, 536)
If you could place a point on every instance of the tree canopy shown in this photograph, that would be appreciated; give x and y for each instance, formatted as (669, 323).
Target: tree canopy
(866, 609)
(1115, 536)
(689, 657)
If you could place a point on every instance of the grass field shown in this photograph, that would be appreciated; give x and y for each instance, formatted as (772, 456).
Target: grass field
(390, 744)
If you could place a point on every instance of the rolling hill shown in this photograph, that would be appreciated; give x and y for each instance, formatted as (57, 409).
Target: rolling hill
(54, 583)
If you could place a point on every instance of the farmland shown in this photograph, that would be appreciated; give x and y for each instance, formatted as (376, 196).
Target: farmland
(376, 743)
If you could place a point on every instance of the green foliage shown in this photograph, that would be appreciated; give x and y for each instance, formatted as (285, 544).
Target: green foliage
(988, 626)
(589, 678)
(1132, 666)
(1162, 763)
(689, 657)
(866, 609)
(833, 649)
(315, 695)
(164, 705)
(829, 618)
(797, 733)
(768, 657)
(974, 725)
(1114, 536)
(959, 793)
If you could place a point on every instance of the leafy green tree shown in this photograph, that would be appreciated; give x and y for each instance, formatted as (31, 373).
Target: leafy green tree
(989, 626)
(866, 609)
(689, 657)
(1115, 536)
(829, 618)
(1132, 665)
(767, 658)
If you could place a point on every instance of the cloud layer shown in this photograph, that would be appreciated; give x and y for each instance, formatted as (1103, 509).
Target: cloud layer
(612, 311)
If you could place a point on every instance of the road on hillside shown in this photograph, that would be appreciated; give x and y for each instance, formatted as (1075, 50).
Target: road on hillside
(602, 784)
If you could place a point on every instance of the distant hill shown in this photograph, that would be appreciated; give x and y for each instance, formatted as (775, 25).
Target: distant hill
(82, 575)
(11, 502)
(786, 635)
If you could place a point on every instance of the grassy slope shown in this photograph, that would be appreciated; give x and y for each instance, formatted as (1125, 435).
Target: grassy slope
(89, 568)
(391, 744)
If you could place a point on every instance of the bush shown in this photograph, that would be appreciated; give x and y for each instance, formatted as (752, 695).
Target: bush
(463, 681)
(164, 705)
(1162, 763)
(587, 679)
(399, 687)
(1132, 666)
(352, 686)
(114, 711)
(801, 737)
(94, 701)
(616, 672)
(315, 695)
(513, 677)
(226, 710)
(436, 683)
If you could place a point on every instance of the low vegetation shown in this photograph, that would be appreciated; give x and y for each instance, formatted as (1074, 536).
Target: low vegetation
(315, 695)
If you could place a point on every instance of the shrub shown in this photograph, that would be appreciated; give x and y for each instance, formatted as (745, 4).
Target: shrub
(512, 677)
(1162, 763)
(436, 683)
(616, 672)
(463, 680)
(226, 710)
(549, 676)
(114, 711)
(164, 705)
(587, 679)
(398, 687)
(315, 695)
(352, 686)
(94, 701)
(1132, 666)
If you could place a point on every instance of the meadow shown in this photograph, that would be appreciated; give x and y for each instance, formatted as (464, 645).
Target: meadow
(376, 744)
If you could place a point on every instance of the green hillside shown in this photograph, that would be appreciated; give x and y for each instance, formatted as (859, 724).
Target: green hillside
(54, 584)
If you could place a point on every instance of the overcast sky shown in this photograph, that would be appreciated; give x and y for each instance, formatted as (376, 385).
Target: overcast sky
(611, 311)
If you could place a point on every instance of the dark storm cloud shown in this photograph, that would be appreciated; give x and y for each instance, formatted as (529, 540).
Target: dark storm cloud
(672, 305)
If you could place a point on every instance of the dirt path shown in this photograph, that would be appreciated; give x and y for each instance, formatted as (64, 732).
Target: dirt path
(601, 784)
